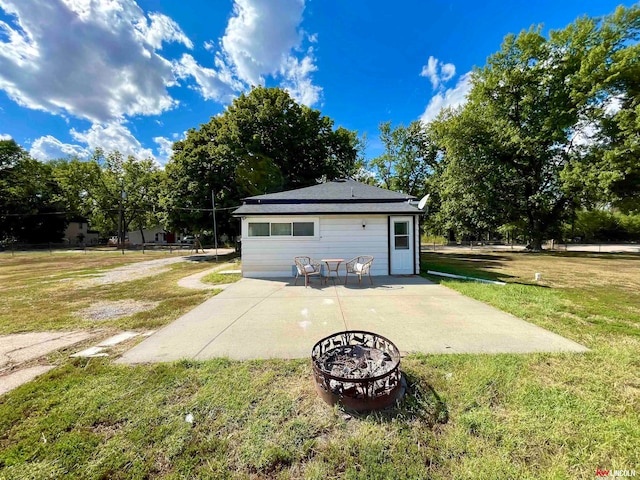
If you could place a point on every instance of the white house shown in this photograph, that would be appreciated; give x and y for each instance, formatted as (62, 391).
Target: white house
(156, 235)
(78, 232)
(338, 219)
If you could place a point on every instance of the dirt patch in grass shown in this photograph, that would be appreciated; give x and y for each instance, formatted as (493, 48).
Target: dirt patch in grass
(33, 302)
(110, 310)
(127, 273)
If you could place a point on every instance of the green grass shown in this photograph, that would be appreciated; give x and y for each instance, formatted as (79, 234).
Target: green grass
(427, 240)
(217, 278)
(466, 416)
(40, 291)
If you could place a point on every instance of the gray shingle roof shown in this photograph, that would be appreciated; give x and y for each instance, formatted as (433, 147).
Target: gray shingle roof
(345, 190)
(337, 197)
(326, 208)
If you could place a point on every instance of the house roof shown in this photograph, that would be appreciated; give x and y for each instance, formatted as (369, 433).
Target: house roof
(336, 197)
(337, 190)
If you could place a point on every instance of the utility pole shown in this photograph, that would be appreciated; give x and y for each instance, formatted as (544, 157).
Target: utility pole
(215, 235)
(121, 231)
(120, 235)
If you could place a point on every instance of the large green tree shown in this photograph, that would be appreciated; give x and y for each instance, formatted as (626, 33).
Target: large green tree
(511, 152)
(610, 170)
(263, 142)
(408, 160)
(114, 192)
(30, 210)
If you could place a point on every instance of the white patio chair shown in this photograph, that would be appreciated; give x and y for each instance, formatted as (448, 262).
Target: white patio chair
(359, 266)
(306, 267)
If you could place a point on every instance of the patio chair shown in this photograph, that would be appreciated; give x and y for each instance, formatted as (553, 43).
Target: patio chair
(359, 266)
(306, 267)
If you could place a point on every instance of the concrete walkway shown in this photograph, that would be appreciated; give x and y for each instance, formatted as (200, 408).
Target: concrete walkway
(195, 281)
(275, 319)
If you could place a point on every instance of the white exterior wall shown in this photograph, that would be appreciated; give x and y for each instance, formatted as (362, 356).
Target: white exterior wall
(135, 238)
(337, 236)
(79, 228)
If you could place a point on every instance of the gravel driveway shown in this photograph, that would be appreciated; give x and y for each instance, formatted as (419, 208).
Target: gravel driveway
(138, 270)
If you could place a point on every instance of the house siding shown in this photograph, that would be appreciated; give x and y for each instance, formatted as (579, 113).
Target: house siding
(135, 237)
(340, 236)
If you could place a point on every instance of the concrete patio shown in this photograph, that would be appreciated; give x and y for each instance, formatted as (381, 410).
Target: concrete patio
(275, 319)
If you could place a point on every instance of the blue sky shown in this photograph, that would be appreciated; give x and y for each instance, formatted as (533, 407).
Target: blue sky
(136, 75)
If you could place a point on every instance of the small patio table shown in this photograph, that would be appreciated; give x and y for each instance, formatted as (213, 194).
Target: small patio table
(333, 264)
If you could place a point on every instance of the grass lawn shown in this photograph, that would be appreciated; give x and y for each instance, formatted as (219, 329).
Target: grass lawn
(42, 291)
(217, 278)
(467, 416)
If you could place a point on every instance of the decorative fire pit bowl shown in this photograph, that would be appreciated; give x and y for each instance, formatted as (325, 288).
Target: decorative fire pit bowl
(358, 369)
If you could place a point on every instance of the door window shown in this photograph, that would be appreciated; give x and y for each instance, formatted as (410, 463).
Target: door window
(401, 235)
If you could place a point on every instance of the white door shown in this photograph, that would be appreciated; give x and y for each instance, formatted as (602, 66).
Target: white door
(402, 244)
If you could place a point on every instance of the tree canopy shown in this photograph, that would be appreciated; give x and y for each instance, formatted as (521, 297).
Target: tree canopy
(408, 160)
(515, 152)
(30, 210)
(110, 188)
(263, 142)
(550, 131)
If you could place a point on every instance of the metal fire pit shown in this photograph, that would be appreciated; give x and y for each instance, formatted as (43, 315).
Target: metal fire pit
(358, 369)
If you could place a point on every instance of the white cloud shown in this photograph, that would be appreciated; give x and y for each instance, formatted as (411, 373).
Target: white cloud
(586, 133)
(259, 36)
(448, 70)
(438, 72)
(430, 70)
(262, 39)
(93, 59)
(451, 98)
(5, 136)
(212, 84)
(162, 29)
(165, 149)
(110, 137)
(298, 83)
(613, 105)
(50, 148)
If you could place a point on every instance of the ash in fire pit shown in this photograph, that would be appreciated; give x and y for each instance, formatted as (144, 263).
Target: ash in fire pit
(354, 361)
(360, 370)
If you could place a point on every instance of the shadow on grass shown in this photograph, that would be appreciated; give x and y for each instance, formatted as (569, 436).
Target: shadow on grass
(604, 256)
(473, 265)
(420, 402)
(211, 257)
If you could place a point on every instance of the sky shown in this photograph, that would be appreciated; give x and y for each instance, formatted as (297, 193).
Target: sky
(136, 75)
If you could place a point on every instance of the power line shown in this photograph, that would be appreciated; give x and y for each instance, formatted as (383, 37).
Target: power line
(205, 209)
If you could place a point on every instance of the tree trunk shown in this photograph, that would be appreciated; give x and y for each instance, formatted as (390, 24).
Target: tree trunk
(537, 235)
(142, 235)
(535, 243)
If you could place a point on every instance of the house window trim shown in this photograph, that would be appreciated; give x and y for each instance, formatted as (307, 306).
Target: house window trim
(286, 238)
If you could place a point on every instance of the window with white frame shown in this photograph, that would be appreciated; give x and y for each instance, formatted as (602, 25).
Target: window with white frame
(282, 229)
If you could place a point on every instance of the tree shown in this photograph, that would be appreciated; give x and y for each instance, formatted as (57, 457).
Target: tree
(610, 170)
(114, 192)
(408, 160)
(511, 151)
(30, 210)
(263, 142)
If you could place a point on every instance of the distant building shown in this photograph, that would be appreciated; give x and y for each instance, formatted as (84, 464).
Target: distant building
(157, 235)
(78, 232)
